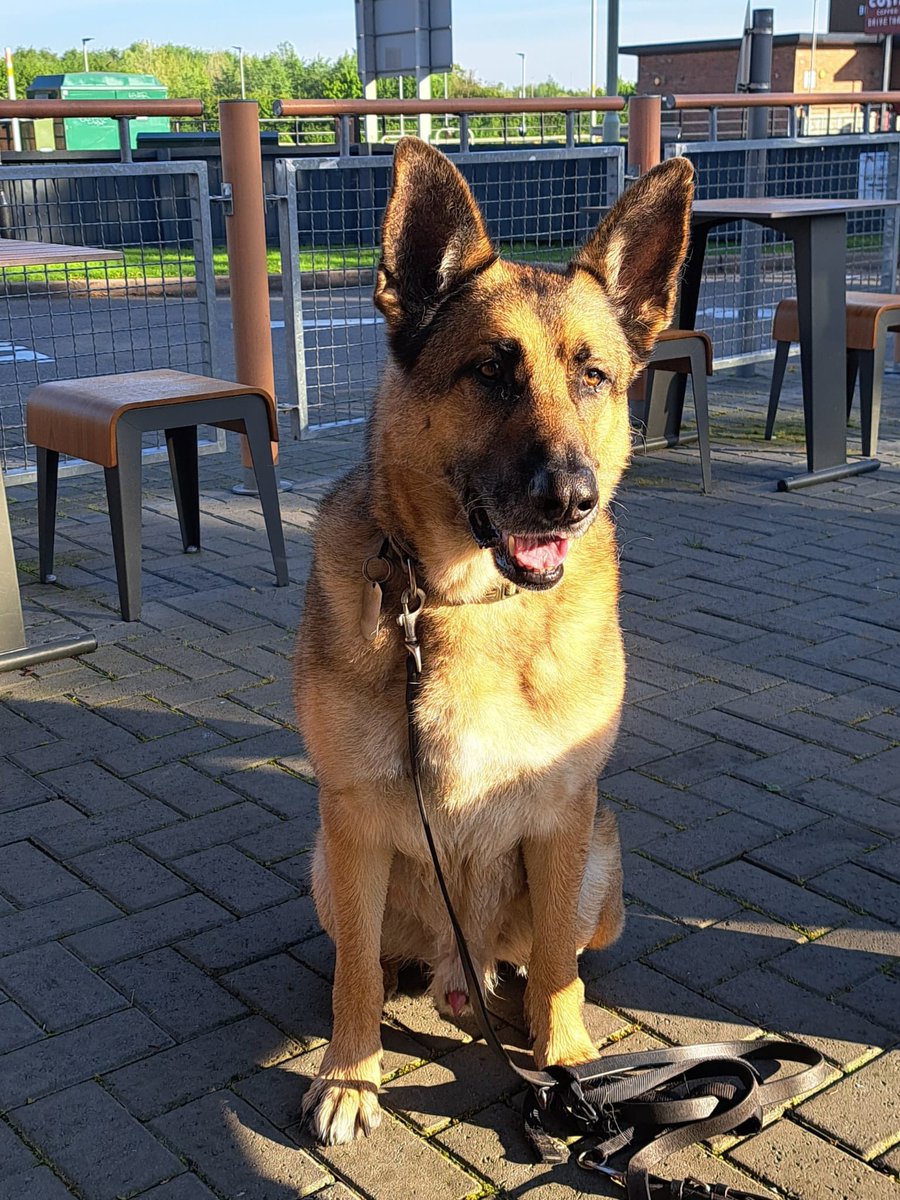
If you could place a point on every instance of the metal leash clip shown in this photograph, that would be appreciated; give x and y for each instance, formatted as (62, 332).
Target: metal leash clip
(412, 602)
(613, 1174)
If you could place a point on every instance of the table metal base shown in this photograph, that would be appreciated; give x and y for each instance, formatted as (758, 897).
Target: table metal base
(862, 466)
(664, 442)
(14, 654)
(30, 656)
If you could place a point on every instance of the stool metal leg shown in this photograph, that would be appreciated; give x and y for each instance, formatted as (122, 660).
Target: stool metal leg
(123, 493)
(182, 447)
(871, 374)
(852, 371)
(47, 479)
(701, 409)
(782, 350)
(256, 426)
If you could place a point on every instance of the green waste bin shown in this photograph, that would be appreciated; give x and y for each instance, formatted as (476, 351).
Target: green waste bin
(95, 133)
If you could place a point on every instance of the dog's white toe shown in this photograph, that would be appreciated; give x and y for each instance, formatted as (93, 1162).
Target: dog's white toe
(341, 1110)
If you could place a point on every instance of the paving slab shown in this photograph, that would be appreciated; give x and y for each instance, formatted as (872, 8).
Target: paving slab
(56, 988)
(862, 1111)
(233, 1146)
(95, 1143)
(809, 1167)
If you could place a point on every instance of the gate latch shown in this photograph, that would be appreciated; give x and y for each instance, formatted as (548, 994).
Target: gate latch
(226, 200)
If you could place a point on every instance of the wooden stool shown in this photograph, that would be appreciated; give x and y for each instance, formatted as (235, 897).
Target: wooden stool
(683, 351)
(101, 419)
(871, 316)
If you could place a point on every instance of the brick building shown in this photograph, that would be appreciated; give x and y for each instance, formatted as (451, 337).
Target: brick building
(844, 62)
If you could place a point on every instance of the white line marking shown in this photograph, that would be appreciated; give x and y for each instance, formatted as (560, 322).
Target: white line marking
(729, 314)
(10, 354)
(333, 322)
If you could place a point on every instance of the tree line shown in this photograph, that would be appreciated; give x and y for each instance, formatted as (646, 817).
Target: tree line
(214, 75)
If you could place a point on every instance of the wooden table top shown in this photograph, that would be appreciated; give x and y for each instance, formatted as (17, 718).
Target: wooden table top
(768, 207)
(17, 252)
(782, 206)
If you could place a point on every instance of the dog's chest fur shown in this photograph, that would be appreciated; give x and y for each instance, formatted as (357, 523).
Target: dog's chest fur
(502, 714)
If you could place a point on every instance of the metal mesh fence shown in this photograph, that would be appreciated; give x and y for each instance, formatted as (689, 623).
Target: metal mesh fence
(145, 301)
(538, 208)
(747, 270)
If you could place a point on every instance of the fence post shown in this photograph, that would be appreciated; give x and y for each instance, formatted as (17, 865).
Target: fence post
(124, 124)
(644, 133)
(245, 234)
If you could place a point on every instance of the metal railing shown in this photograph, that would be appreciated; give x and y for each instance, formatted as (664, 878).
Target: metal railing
(466, 122)
(725, 115)
(536, 207)
(747, 270)
(121, 111)
(153, 308)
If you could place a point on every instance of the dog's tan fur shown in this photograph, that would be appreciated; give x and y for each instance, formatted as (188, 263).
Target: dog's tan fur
(521, 698)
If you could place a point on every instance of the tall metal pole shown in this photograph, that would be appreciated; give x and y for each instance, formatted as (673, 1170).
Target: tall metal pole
(16, 129)
(240, 50)
(611, 123)
(523, 128)
(593, 61)
(811, 78)
(84, 42)
(760, 68)
(245, 235)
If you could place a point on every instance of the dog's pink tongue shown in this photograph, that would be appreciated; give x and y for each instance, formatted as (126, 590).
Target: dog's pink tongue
(457, 1002)
(539, 554)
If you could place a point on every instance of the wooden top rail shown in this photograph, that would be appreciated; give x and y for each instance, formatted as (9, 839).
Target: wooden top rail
(413, 108)
(38, 109)
(777, 99)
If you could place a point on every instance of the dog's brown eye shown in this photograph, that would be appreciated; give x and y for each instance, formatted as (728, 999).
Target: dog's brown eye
(489, 370)
(593, 377)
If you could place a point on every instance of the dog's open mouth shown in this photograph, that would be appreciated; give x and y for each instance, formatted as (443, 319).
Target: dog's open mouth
(532, 561)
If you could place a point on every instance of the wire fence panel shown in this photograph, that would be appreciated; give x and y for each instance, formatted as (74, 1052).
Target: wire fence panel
(149, 306)
(538, 207)
(747, 269)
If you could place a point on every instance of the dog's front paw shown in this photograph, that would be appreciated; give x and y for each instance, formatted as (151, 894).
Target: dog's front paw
(557, 1026)
(340, 1107)
(567, 1051)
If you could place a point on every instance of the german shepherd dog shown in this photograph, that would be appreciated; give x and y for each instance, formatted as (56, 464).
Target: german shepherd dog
(499, 434)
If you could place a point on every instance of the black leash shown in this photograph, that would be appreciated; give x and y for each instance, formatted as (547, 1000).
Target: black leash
(653, 1104)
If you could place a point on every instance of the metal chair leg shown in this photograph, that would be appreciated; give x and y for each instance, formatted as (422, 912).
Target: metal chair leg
(182, 447)
(256, 426)
(852, 371)
(871, 374)
(47, 478)
(123, 493)
(701, 410)
(782, 350)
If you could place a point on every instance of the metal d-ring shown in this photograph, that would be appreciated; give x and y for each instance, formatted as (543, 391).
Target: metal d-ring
(384, 575)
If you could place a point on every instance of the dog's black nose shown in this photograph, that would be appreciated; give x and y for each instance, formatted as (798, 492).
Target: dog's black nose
(563, 496)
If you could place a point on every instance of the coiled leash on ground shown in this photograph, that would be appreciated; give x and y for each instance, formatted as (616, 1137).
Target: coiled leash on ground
(652, 1104)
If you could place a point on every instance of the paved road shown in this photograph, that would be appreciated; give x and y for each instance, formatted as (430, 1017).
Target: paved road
(164, 985)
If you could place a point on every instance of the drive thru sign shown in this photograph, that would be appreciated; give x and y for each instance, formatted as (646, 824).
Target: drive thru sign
(883, 16)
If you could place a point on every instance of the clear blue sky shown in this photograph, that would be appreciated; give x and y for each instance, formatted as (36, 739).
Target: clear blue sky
(555, 34)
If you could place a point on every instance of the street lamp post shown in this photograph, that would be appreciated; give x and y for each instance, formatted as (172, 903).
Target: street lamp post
(611, 123)
(240, 50)
(593, 62)
(84, 42)
(522, 127)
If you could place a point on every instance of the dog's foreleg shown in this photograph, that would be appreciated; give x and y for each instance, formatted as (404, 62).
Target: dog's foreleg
(342, 1102)
(555, 994)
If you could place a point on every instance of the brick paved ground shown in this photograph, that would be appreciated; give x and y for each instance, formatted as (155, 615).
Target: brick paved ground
(164, 992)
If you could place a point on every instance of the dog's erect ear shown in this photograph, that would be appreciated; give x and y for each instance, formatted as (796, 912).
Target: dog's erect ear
(433, 240)
(637, 251)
